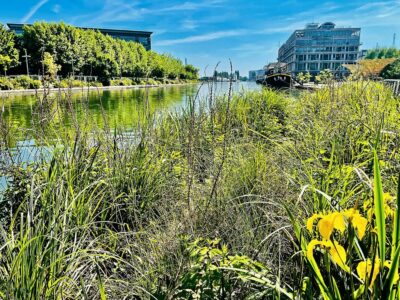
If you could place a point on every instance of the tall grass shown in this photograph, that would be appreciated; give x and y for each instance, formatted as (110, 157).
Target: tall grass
(196, 203)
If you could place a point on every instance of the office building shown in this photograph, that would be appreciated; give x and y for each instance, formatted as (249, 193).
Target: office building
(319, 47)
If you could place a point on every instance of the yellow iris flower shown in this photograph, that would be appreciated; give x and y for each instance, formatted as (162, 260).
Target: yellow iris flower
(387, 202)
(327, 224)
(358, 221)
(364, 269)
(337, 252)
(336, 220)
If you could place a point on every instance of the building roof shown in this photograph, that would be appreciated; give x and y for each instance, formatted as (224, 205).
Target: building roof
(18, 26)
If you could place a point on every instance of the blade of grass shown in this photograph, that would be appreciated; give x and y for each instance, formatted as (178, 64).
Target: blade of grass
(379, 209)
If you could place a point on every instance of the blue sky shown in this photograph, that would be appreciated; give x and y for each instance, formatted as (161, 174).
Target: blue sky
(210, 31)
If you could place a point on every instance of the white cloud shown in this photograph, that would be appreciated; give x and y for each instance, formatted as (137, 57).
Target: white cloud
(202, 37)
(33, 11)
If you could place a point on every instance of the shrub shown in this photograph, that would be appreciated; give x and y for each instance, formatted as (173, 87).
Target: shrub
(25, 82)
(121, 82)
(95, 84)
(6, 84)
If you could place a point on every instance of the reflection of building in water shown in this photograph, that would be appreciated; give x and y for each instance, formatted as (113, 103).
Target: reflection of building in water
(142, 37)
(319, 47)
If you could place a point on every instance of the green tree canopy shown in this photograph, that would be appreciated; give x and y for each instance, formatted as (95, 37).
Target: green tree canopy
(392, 71)
(8, 52)
(90, 52)
(383, 53)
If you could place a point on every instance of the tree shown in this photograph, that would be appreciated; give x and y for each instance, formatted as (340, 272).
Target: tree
(383, 53)
(91, 52)
(8, 52)
(392, 71)
(325, 76)
(369, 68)
(49, 66)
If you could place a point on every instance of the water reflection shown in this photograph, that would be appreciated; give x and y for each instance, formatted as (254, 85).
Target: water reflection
(121, 109)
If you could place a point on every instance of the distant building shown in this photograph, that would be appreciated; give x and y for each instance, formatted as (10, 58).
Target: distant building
(237, 75)
(255, 73)
(319, 47)
(142, 37)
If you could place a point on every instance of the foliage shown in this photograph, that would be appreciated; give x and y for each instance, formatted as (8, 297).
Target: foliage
(392, 71)
(6, 84)
(25, 82)
(50, 68)
(380, 53)
(90, 52)
(208, 202)
(325, 76)
(214, 274)
(369, 68)
(8, 51)
(20, 82)
(121, 82)
(304, 78)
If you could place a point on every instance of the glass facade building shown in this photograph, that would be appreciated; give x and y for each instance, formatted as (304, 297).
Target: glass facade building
(319, 47)
(142, 37)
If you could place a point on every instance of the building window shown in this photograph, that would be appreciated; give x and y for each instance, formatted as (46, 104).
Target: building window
(313, 56)
(325, 66)
(301, 66)
(325, 57)
(313, 66)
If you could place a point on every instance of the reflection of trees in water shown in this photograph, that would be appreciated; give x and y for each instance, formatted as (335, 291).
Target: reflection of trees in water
(119, 108)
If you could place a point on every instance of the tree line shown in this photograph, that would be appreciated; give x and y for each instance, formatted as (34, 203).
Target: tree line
(392, 70)
(75, 51)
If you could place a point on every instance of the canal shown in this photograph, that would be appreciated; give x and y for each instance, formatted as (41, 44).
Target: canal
(24, 117)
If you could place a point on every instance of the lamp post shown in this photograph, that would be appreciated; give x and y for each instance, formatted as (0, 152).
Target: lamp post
(26, 56)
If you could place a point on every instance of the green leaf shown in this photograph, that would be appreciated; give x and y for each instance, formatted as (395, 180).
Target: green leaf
(379, 210)
(387, 288)
(396, 223)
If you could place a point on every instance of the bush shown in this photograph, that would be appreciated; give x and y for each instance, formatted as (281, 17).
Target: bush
(61, 84)
(25, 82)
(392, 71)
(6, 84)
(95, 84)
(121, 82)
(65, 83)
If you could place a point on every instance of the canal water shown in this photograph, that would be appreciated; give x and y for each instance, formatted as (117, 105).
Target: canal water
(120, 109)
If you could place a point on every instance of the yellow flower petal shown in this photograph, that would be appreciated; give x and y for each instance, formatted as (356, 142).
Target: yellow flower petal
(338, 221)
(325, 227)
(357, 221)
(310, 248)
(311, 220)
(364, 269)
(338, 254)
(360, 223)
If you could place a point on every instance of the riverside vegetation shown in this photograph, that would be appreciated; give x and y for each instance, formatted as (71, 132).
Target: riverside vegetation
(257, 195)
(61, 49)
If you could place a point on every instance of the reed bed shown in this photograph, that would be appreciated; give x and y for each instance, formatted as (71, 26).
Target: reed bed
(207, 203)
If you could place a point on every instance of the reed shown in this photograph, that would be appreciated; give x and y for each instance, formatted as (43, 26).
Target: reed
(208, 202)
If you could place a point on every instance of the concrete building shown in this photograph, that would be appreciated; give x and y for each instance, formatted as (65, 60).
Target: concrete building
(321, 46)
(142, 37)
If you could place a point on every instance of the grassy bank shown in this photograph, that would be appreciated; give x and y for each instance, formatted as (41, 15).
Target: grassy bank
(209, 203)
